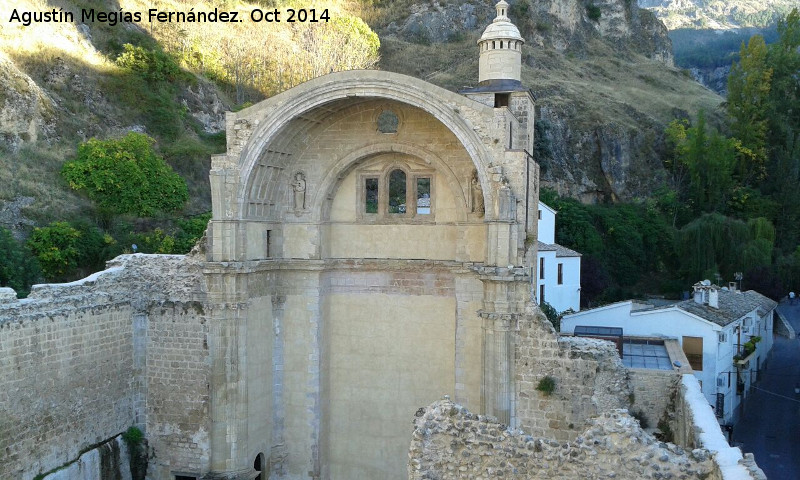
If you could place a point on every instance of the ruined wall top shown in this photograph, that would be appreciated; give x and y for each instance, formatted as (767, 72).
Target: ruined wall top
(449, 442)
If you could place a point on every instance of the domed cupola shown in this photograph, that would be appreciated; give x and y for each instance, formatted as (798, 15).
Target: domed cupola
(501, 49)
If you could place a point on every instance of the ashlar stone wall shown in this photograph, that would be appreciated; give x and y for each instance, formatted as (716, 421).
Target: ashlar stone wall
(449, 442)
(83, 361)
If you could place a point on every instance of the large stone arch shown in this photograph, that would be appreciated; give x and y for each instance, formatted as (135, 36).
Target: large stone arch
(458, 114)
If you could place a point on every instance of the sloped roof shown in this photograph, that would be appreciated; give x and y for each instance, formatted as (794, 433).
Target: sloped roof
(560, 251)
(732, 306)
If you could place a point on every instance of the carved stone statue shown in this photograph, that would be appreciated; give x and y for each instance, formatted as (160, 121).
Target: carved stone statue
(299, 187)
(477, 195)
(507, 207)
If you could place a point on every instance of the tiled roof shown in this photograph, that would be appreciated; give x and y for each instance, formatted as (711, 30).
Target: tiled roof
(732, 306)
(560, 251)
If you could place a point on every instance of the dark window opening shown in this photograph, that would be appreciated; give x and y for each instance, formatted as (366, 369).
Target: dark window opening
(258, 465)
(501, 100)
(268, 243)
(560, 273)
(184, 477)
(541, 294)
(371, 195)
(541, 268)
(540, 214)
(397, 191)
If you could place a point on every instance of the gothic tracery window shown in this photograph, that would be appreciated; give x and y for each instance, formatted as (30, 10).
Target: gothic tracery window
(397, 193)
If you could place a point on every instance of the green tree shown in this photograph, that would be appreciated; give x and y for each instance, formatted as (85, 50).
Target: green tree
(57, 247)
(18, 267)
(125, 176)
(709, 158)
(714, 243)
(784, 59)
(749, 86)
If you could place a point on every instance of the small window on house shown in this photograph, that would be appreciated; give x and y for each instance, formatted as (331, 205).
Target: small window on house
(423, 196)
(501, 44)
(371, 195)
(493, 45)
(540, 214)
(397, 191)
(268, 243)
(388, 122)
(541, 294)
(560, 273)
(541, 268)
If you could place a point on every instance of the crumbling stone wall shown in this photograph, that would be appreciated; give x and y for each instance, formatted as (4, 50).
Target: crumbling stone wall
(652, 391)
(449, 442)
(589, 379)
(75, 366)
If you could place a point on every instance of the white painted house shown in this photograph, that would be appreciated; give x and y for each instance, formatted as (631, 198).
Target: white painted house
(558, 277)
(712, 329)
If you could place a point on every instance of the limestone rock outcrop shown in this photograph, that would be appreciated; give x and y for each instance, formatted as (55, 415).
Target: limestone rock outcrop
(26, 111)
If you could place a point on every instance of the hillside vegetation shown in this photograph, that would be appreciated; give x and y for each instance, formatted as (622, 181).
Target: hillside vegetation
(63, 84)
(602, 74)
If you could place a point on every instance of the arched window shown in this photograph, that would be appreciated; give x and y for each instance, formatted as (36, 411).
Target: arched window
(397, 191)
(501, 44)
(371, 195)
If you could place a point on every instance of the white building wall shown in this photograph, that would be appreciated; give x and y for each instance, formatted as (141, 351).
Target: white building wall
(547, 224)
(567, 294)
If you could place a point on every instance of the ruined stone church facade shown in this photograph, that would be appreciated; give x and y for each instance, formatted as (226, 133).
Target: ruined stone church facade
(368, 241)
(370, 250)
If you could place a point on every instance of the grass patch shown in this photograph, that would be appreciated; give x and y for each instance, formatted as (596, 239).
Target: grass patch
(546, 385)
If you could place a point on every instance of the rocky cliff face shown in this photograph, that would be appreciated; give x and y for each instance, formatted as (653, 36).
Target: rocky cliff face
(717, 14)
(605, 86)
(27, 112)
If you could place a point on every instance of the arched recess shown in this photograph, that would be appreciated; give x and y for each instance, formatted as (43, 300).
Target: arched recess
(322, 200)
(274, 116)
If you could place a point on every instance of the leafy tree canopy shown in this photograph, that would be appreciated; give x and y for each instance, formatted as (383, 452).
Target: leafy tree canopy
(57, 246)
(126, 176)
(18, 268)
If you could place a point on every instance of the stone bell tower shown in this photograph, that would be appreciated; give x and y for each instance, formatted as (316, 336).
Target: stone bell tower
(501, 50)
(515, 179)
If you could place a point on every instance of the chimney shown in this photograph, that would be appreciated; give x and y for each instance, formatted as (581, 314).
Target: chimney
(713, 297)
(698, 295)
(702, 291)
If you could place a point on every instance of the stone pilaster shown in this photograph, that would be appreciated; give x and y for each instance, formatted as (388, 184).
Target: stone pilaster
(227, 341)
(498, 365)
